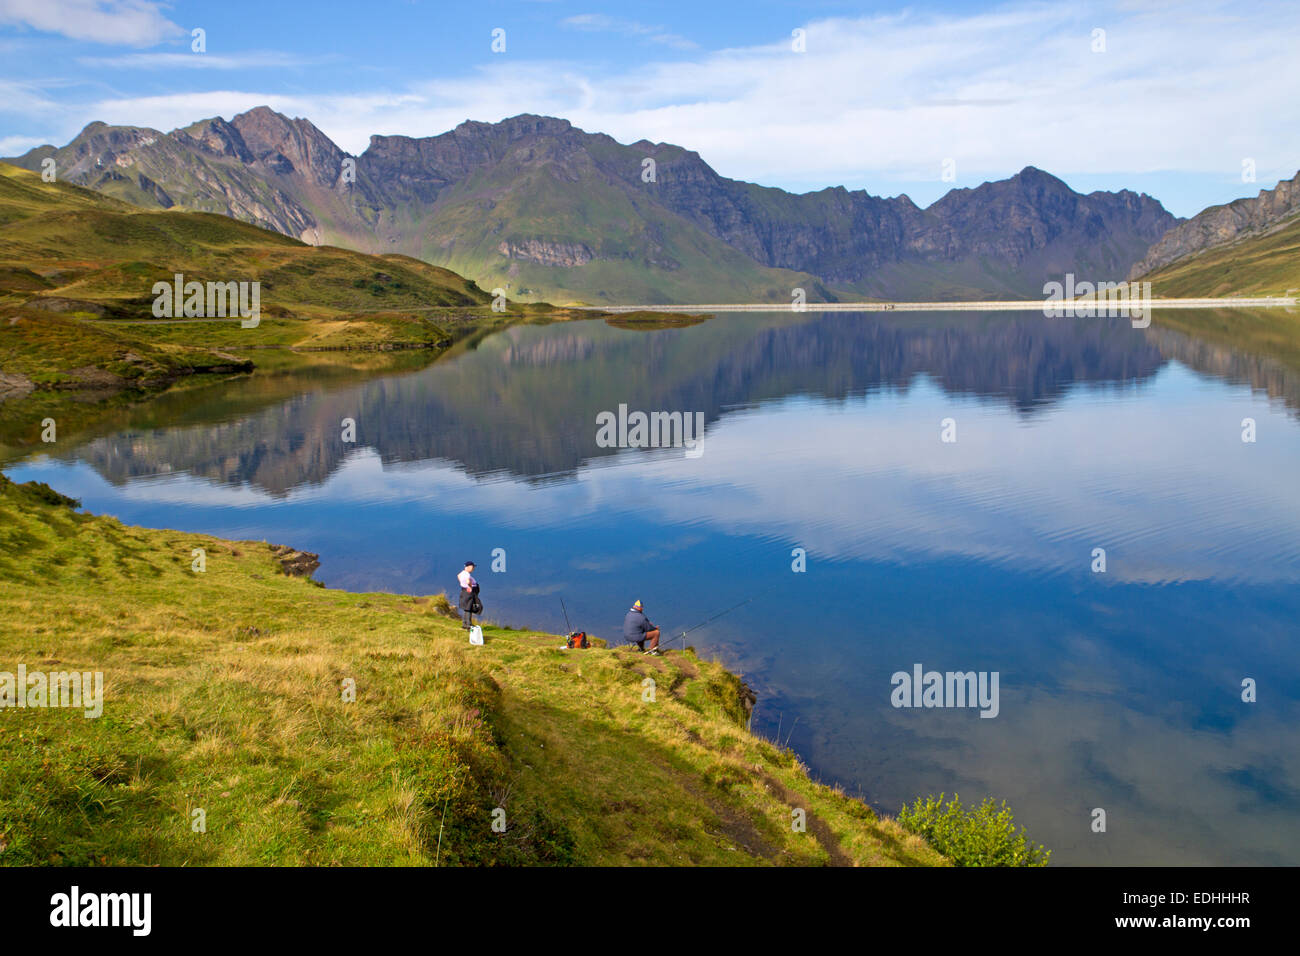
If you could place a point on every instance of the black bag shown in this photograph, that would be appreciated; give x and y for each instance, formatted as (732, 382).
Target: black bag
(469, 601)
(577, 640)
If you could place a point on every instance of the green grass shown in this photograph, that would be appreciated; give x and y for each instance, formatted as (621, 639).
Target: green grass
(49, 348)
(57, 239)
(223, 692)
(77, 271)
(1259, 265)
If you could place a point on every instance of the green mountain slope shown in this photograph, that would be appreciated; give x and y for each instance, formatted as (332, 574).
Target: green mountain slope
(78, 270)
(1223, 225)
(1259, 265)
(77, 273)
(576, 236)
(59, 241)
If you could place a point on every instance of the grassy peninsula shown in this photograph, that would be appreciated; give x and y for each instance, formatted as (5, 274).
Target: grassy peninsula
(224, 691)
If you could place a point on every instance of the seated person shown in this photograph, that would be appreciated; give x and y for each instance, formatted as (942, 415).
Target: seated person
(637, 629)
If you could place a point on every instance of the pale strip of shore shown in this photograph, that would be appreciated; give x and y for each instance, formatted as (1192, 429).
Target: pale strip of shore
(1084, 307)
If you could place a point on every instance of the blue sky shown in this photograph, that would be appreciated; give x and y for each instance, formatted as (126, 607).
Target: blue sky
(1173, 98)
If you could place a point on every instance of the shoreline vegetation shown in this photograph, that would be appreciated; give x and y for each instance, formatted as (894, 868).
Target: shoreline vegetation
(253, 717)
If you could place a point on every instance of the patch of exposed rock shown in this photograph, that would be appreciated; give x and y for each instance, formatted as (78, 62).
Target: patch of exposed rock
(13, 386)
(547, 253)
(294, 562)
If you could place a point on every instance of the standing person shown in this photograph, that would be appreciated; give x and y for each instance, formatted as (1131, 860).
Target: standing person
(469, 602)
(637, 629)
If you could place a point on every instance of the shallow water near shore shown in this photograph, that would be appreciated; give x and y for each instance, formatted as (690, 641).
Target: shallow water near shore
(1119, 690)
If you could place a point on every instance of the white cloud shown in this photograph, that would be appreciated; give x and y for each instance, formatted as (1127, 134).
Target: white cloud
(25, 99)
(128, 22)
(603, 23)
(253, 60)
(16, 145)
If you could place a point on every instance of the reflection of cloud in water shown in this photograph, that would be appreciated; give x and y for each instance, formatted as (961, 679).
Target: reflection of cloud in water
(1144, 721)
(1167, 488)
(1169, 795)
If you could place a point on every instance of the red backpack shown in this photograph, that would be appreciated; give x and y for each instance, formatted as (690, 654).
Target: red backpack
(577, 640)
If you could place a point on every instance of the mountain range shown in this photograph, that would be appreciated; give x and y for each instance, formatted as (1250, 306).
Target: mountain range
(547, 211)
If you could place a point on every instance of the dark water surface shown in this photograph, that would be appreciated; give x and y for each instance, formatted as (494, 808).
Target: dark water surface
(1118, 690)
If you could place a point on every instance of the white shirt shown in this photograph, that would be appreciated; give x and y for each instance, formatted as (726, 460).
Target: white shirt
(466, 579)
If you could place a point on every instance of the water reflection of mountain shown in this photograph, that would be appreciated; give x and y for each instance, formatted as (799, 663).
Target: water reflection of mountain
(1261, 373)
(525, 401)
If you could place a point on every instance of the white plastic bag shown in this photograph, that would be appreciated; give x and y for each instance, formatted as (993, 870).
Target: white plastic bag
(476, 635)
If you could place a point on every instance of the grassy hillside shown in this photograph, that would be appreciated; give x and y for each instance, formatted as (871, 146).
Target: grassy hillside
(1260, 265)
(79, 344)
(223, 693)
(77, 270)
(65, 242)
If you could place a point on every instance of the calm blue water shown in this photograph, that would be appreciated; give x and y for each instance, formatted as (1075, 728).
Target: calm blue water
(1119, 690)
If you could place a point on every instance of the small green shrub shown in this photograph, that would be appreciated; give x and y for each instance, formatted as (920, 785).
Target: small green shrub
(40, 491)
(980, 836)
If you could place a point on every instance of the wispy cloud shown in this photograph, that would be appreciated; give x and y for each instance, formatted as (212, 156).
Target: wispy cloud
(252, 60)
(26, 99)
(127, 22)
(603, 23)
(15, 145)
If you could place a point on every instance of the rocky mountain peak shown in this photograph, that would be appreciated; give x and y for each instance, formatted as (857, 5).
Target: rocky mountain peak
(290, 146)
(219, 138)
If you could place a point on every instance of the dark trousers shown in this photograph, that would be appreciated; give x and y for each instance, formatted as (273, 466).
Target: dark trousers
(467, 616)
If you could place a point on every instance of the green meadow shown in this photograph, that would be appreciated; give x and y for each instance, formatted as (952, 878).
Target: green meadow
(251, 717)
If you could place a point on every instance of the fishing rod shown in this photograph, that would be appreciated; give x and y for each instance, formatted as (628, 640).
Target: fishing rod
(711, 620)
(568, 628)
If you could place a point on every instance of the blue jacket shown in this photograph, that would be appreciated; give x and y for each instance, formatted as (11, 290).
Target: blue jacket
(635, 625)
